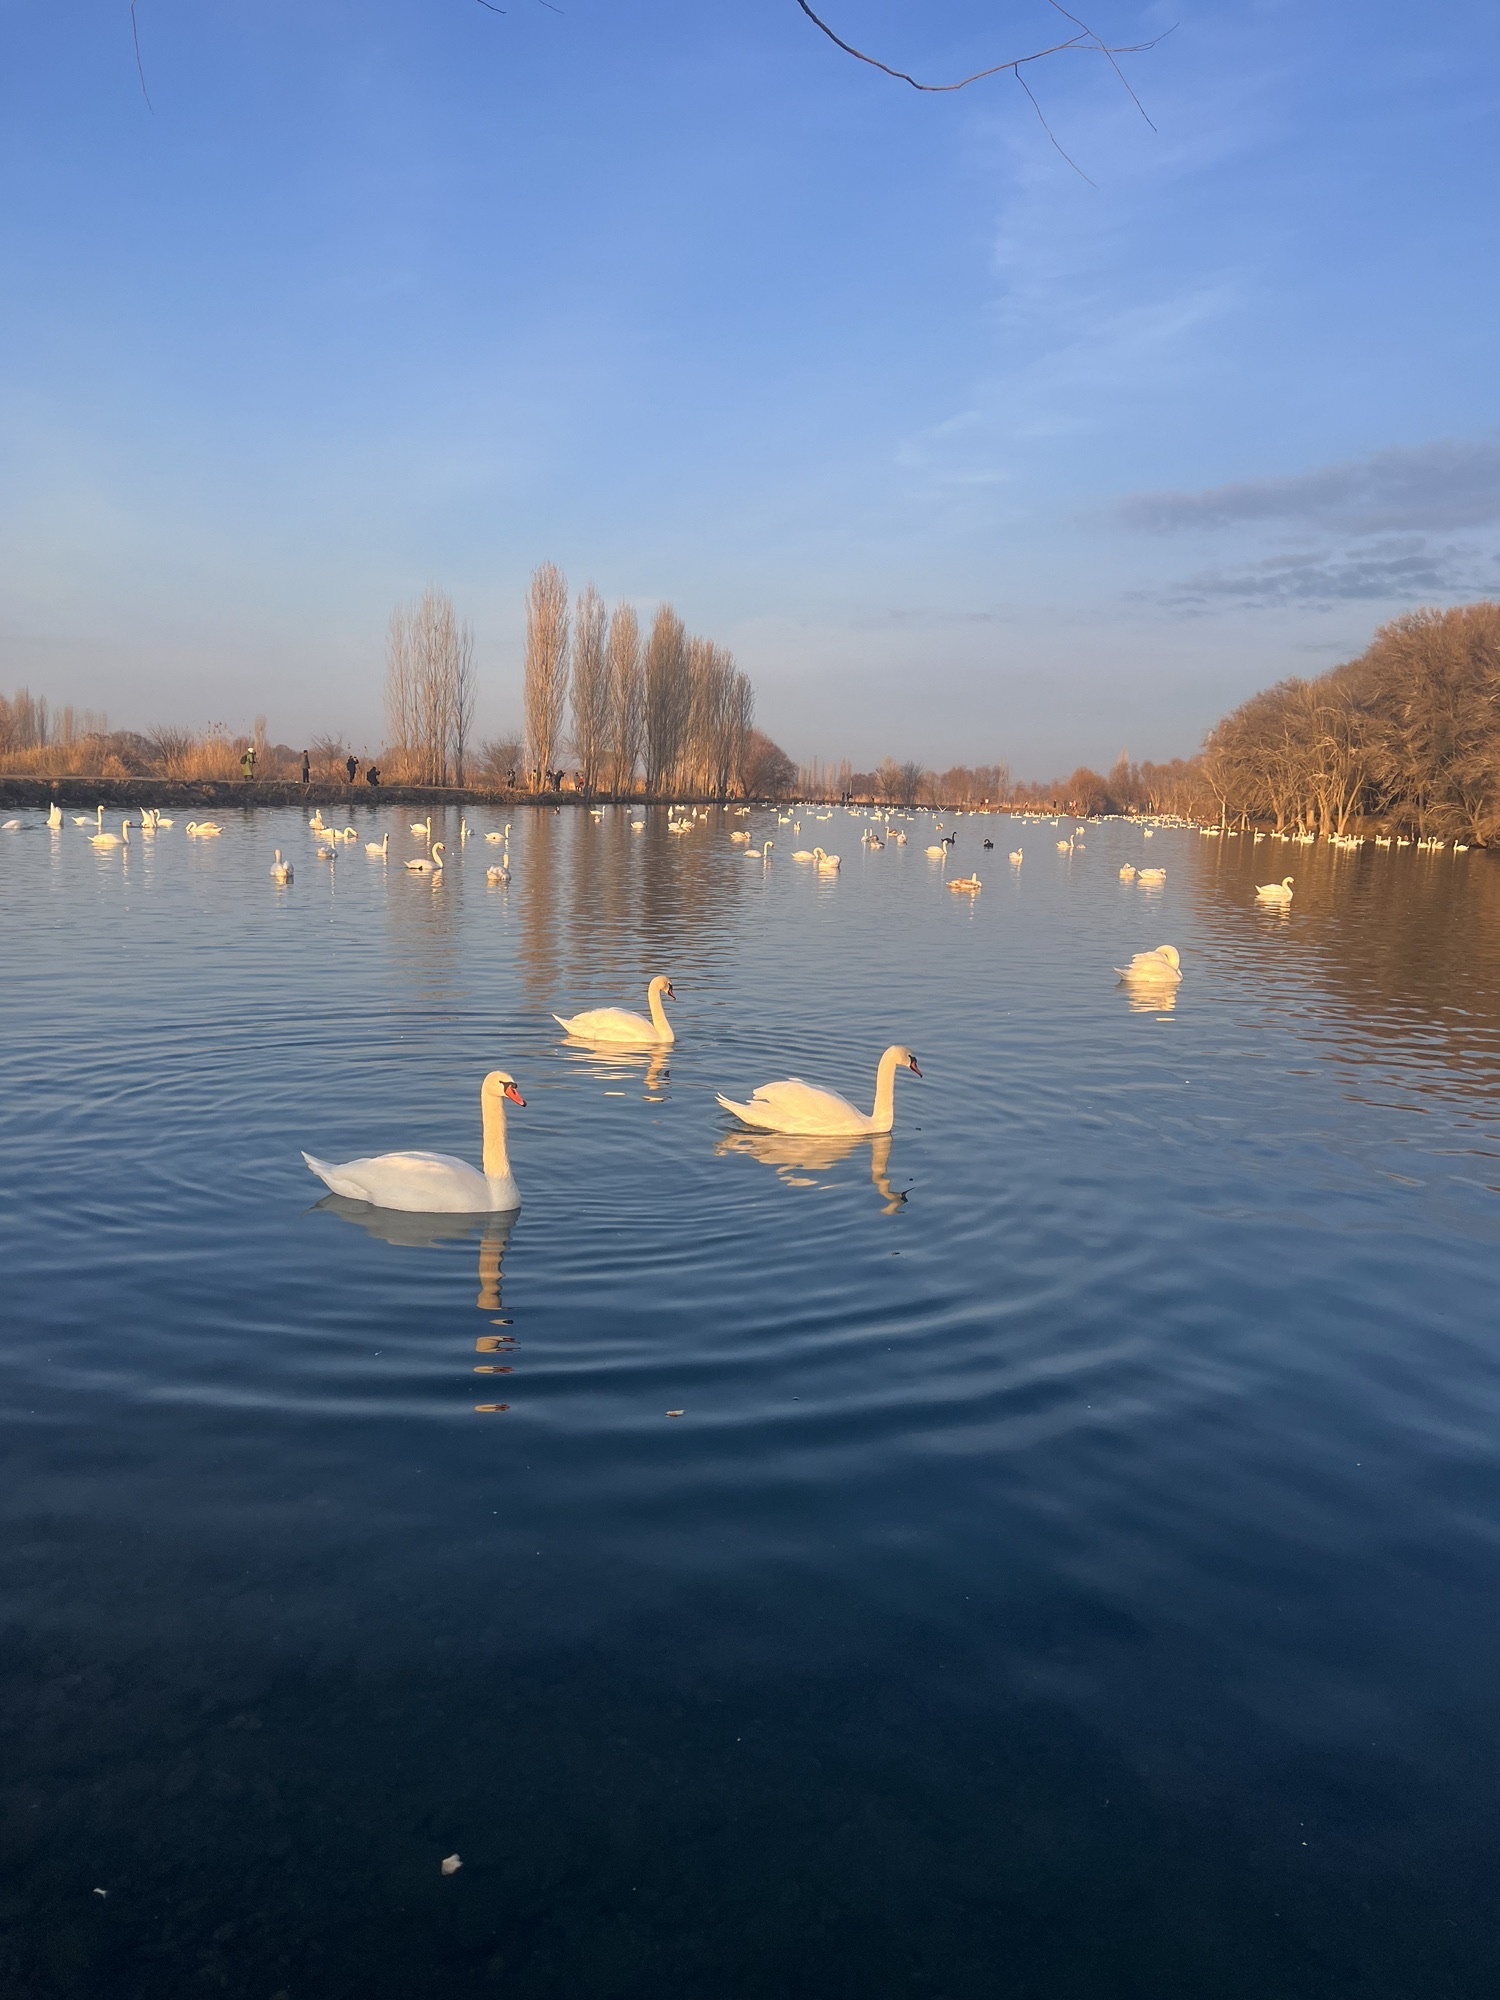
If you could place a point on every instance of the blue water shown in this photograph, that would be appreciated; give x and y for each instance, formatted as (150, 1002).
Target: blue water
(1073, 1571)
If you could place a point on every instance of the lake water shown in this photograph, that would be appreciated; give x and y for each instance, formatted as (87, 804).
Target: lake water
(1076, 1578)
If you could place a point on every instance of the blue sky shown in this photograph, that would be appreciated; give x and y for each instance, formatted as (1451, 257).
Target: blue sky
(965, 457)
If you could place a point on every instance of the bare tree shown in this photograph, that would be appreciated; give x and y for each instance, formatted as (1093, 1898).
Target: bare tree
(627, 698)
(591, 687)
(668, 698)
(429, 688)
(546, 686)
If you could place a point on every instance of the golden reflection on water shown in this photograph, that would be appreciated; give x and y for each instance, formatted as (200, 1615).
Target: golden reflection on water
(427, 1232)
(800, 1160)
(609, 1063)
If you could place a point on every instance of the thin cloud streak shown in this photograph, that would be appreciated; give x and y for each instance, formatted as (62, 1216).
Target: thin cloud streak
(1449, 483)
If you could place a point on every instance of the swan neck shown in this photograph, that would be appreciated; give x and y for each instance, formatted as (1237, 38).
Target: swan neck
(496, 1158)
(885, 1093)
(659, 1019)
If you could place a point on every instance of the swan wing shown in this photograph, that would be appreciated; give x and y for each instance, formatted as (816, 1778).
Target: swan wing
(426, 1183)
(610, 1024)
(795, 1106)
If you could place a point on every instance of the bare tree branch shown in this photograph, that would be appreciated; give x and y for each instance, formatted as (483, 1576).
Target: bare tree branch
(140, 69)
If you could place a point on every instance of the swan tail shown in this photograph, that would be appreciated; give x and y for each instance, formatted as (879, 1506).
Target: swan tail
(746, 1112)
(334, 1179)
(562, 1023)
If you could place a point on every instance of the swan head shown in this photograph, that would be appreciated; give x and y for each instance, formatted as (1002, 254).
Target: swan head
(500, 1083)
(662, 985)
(905, 1059)
(1169, 955)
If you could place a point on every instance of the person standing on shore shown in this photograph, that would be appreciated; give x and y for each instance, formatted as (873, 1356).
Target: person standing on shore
(306, 768)
(352, 766)
(247, 764)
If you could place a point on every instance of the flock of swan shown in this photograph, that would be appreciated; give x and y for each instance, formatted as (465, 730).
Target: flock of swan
(440, 1184)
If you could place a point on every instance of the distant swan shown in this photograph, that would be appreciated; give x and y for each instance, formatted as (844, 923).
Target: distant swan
(82, 819)
(1127, 873)
(965, 885)
(937, 853)
(422, 866)
(498, 876)
(828, 864)
(1150, 878)
(618, 1024)
(1016, 857)
(380, 849)
(1162, 966)
(740, 837)
(422, 828)
(760, 853)
(281, 871)
(54, 814)
(436, 1183)
(795, 1106)
(120, 839)
(203, 829)
(1275, 892)
(806, 853)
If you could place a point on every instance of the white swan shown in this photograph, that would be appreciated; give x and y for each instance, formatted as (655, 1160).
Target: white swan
(162, 821)
(422, 828)
(1275, 892)
(14, 826)
(806, 853)
(1016, 857)
(1160, 967)
(203, 829)
(1127, 873)
(795, 1106)
(1150, 878)
(936, 853)
(422, 866)
(379, 849)
(281, 871)
(760, 853)
(148, 822)
(618, 1024)
(120, 839)
(739, 838)
(436, 1183)
(82, 819)
(828, 864)
(497, 877)
(54, 815)
(965, 885)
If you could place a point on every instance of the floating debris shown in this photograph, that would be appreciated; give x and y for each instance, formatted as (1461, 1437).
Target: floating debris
(674, 1413)
(489, 1409)
(451, 1864)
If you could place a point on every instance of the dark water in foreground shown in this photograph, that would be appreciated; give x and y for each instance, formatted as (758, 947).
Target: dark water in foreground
(1077, 1580)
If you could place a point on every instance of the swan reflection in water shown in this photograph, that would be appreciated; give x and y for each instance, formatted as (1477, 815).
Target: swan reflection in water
(800, 1159)
(610, 1063)
(1148, 998)
(410, 1231)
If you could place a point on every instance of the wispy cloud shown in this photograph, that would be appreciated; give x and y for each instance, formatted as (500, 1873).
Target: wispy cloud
(1394, 570)
(1447, 484)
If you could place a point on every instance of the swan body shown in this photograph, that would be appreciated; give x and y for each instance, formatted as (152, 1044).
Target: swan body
(1275, 892)
(760, 853)
(498, 876)
(828, 864)
(618, 1024)
(795, 1106)
(422, 866)
(54, 814)
(1150, 878)
(1016, 857)
(805, 854)
(120, 839)
(1160, 967)
(379, 849)
(203, 829)
(740, 838)
(161, 820)
(422, 828)
(14, 826)
(937, 853)
(437, 1183)
(281, 871)
(965, 884)
(327, 853)
(1127, 873)
(82, 819)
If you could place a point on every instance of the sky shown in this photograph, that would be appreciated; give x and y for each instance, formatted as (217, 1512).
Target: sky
(969, 453)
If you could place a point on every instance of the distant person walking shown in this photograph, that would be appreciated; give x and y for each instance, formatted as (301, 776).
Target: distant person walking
(247, 764)
(351, 765)
(306, 768)
(372, 774)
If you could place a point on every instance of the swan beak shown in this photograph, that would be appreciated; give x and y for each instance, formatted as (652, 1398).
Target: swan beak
(911, 1063)
(670, 994)
(514, 1095)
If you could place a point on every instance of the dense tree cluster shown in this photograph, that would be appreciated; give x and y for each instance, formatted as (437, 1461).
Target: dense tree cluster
(1406, 736)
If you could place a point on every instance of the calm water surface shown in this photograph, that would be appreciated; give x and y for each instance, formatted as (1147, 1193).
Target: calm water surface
(1075, 1578)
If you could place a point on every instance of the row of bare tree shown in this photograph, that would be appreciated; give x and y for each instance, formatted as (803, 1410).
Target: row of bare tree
(1406, 736)
(429, 692)
(675, 708)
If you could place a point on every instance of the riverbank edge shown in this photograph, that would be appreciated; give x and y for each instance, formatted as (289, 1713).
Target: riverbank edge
(224, 793)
